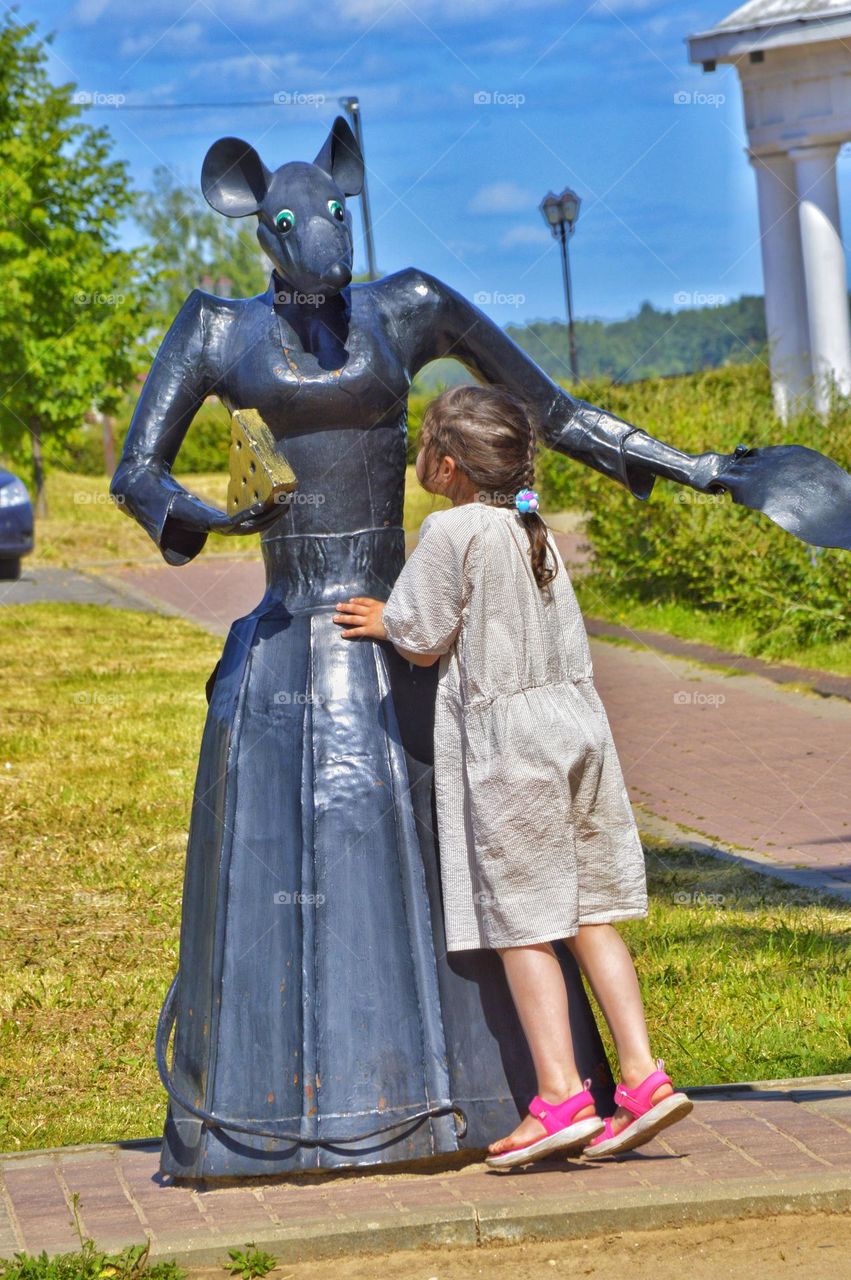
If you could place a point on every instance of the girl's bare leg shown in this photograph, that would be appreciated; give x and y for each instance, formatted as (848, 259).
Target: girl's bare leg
(602, 954)
(538, 990)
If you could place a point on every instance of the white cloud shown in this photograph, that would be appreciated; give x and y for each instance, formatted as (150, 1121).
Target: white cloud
(502, 46)
(464, 247)
(87, 12)
(370, 11)
(501, 197)
(179, 39)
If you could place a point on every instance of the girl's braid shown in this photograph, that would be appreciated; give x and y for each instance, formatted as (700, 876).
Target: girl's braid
(529, 464)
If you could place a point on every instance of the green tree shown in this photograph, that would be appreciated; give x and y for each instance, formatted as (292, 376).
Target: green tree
(73, 305)
(190, 243)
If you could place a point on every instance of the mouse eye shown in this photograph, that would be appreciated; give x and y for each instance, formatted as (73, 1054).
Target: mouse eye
(285, 220)
(336, 210)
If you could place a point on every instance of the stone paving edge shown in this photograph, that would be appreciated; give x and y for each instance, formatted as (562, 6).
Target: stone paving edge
(688, 838)
(555, 1219)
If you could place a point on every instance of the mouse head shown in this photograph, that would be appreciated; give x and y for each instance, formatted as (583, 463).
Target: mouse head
(303, 224)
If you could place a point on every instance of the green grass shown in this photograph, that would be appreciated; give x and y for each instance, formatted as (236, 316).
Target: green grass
(733, 633)
(84, 527)
(103, 712)
(743, 976)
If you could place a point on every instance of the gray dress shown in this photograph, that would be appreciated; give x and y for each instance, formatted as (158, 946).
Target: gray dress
(536, 831)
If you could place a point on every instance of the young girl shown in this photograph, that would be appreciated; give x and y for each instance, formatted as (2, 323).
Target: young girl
(537, 837)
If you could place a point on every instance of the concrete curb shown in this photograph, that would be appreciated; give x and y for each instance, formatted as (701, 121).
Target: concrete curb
(827, 684)
(652, 825)
(554, 1219)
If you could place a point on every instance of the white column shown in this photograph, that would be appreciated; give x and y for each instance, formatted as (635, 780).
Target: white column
(783, 281)
(824, 269)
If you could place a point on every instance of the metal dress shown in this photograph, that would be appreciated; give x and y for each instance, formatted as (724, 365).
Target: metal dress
(315, 998)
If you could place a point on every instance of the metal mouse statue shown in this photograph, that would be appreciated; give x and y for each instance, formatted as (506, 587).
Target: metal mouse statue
(319, 1020)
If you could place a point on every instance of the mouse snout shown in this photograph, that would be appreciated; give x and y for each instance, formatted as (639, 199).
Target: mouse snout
(337, 276)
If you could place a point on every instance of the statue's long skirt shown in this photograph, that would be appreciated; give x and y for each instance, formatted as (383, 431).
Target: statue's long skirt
(315, 997)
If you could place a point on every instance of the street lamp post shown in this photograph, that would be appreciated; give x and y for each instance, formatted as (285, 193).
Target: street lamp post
(560, 214)
(352, 107)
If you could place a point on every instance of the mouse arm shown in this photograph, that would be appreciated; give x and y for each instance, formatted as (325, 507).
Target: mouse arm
(803, 491)
(181, 377)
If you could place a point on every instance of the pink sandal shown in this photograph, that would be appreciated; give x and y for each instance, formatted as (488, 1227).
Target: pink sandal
(649, 1119)
(563, 1133)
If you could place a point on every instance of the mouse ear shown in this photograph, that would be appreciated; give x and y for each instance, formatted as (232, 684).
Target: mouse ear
(234, 179)
(340, 157)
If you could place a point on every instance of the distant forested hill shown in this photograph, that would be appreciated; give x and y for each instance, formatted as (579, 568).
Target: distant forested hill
(650, 344)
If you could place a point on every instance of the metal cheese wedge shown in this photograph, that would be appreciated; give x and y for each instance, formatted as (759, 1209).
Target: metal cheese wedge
(259, 472)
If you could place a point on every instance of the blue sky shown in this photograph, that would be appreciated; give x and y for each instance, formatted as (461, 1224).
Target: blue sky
(581, 95)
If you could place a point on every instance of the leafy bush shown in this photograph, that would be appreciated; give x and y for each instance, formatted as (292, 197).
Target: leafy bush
(701, 549)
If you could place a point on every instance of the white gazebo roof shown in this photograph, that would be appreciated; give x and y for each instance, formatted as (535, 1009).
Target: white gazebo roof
(771, 24)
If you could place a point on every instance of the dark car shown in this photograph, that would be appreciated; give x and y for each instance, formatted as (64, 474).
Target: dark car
(16, 524)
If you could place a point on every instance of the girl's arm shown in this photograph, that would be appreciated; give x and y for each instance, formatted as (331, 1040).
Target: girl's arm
(364, 617)
(418, 659)
(422, 616)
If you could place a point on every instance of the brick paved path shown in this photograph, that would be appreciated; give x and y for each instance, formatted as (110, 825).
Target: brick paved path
(790, 1141)
(735, 758)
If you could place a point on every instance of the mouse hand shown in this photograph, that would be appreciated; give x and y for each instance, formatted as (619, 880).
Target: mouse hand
(259, 517)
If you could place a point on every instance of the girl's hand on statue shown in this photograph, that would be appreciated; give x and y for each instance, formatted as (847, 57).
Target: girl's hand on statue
(363, 616)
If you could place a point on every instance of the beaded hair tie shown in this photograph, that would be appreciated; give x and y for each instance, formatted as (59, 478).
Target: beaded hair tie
(526, 500)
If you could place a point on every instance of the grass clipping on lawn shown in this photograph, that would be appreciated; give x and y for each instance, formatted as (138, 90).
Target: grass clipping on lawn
(743, 977)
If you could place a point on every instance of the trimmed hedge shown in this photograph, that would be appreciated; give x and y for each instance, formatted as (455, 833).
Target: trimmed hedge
(701, 549)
